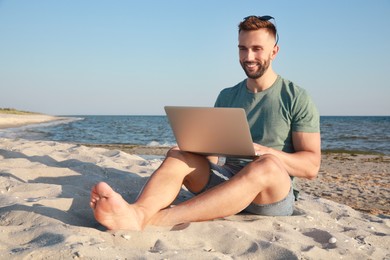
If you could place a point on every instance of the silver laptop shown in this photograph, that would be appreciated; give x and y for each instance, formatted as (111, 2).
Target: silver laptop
(211, 131)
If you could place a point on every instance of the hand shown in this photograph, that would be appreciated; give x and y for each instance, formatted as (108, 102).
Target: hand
(261, 149)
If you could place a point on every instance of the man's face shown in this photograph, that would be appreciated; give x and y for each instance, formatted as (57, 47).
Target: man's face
(256, 49)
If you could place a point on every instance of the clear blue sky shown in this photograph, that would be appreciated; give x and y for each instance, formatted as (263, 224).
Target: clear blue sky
(133, 57)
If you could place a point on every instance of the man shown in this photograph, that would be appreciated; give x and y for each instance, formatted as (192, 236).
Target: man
(284, 126)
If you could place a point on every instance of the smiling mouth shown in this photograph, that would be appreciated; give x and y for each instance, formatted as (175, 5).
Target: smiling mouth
(251, 65)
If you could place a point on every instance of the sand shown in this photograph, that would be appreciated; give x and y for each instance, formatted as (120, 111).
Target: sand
(44, 211)
(12, 120)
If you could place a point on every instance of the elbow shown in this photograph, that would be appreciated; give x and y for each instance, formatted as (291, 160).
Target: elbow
(313, 173)
(314, 168)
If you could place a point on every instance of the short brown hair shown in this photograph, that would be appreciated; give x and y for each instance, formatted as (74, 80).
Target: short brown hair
(252, 23)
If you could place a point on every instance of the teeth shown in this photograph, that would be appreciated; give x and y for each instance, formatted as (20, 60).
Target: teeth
(251, 65)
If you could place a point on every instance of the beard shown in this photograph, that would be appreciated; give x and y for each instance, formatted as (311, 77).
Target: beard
(262, 68)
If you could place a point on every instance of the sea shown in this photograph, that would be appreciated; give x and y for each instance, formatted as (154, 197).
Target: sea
(352, 134)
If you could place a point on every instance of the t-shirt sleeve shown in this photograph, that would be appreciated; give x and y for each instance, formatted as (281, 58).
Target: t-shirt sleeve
(218, 101)
(222, 98)
(306, 117)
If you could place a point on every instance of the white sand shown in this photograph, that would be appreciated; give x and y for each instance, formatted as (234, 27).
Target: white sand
(44, 212)
(12, 120)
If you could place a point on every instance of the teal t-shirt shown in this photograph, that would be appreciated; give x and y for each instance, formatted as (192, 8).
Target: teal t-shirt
(274, 113)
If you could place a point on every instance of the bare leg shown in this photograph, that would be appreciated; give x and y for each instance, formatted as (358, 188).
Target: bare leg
(263, 181)
(112, 211)
(164, 185)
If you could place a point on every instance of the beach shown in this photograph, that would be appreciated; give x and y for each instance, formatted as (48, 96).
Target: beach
(44, 209)
(12, 120)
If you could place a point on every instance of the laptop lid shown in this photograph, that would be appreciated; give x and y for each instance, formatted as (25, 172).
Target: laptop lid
(211, 131)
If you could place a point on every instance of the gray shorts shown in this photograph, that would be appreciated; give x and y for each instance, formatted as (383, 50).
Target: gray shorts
(220, 174)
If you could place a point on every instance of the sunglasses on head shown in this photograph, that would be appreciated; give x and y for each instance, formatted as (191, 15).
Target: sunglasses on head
(265, 18)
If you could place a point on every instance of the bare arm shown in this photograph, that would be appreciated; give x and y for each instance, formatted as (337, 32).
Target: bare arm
(306, 160)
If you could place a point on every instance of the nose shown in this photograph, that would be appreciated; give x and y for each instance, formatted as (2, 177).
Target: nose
(248, 55)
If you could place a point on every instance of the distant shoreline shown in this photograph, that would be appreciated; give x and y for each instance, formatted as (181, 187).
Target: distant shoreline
(13, 111)
(12, 119)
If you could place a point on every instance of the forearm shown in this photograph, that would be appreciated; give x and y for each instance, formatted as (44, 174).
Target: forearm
(305, 161)
(302, 164)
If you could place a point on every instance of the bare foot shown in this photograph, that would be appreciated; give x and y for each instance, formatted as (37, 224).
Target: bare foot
(112, 211)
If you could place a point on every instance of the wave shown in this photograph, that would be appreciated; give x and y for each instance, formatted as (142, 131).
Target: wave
(157, 144)
(353, 137)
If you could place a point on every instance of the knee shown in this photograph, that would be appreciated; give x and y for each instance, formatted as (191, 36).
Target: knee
(266, 168)
(195, 168)
(266, 163)
(173, 151)
(191, 160)
(176, 153)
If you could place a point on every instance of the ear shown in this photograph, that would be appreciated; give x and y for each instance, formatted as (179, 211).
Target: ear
(275, 51)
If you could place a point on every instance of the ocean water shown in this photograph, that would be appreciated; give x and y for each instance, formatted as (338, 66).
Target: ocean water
(347, 133)
(356, 133)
